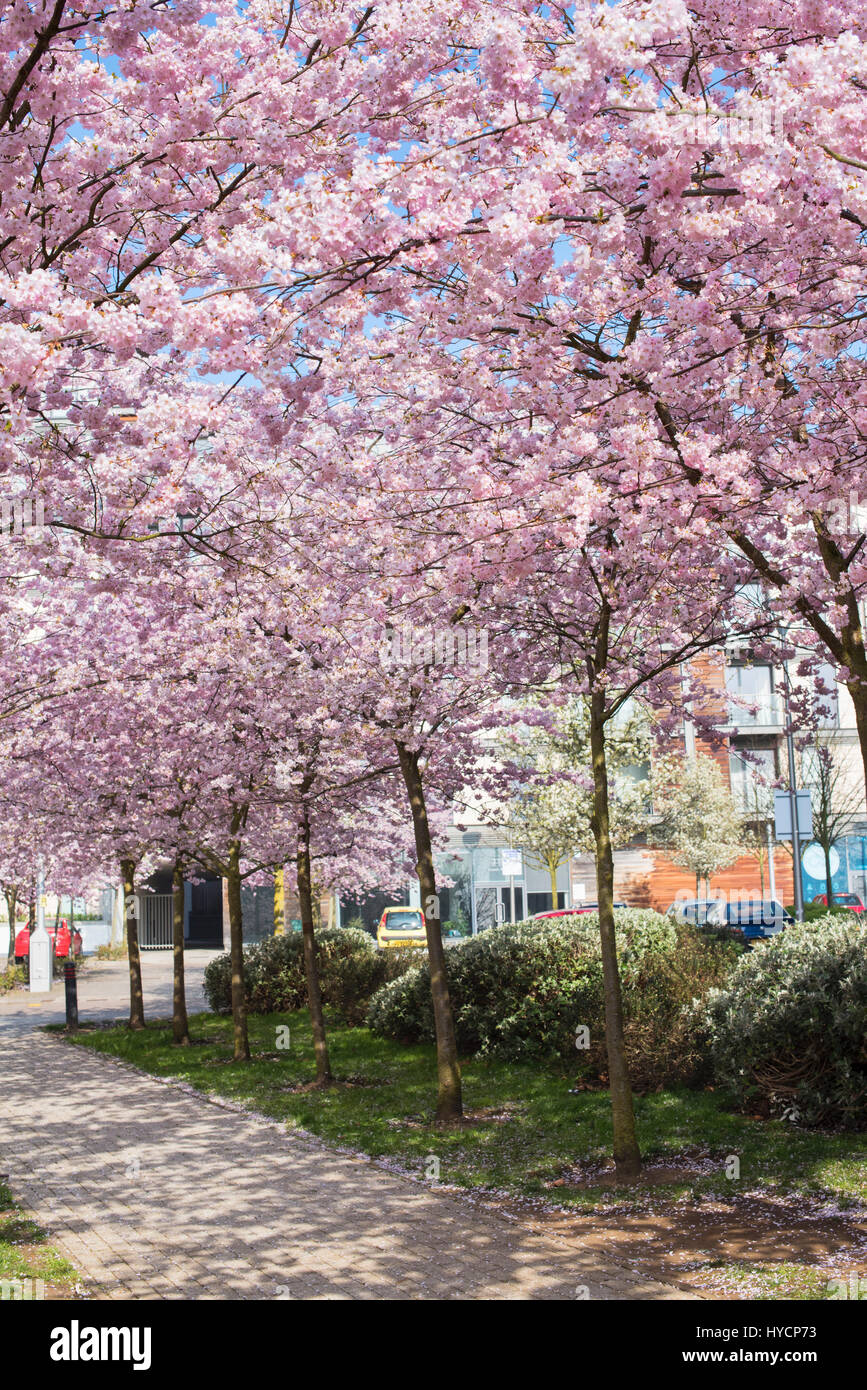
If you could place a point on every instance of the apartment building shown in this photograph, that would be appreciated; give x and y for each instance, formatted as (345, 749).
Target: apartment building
(746, 699)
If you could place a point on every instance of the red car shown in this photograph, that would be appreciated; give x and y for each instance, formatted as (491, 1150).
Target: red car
(850, 900)
(62, 940)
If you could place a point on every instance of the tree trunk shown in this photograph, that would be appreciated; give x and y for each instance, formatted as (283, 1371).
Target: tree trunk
(57, 916)
(858, 691)
(236, 945)
(11, 896)
(829, 887)
(279, 904)
(627, 1156)
(552, 874)
(311, 968)
(136, 997)
(180, 1027)
(449, 1093)
(761, 858)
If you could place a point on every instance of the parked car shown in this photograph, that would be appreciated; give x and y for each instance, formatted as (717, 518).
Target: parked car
(570, 911)
(749, 919)
(850, 900)
(697, 910)
(755, 919)
(401, 926)
(64, 941)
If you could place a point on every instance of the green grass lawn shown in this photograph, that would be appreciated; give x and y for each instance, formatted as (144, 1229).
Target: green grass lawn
(550, 1135)
(24, 1253)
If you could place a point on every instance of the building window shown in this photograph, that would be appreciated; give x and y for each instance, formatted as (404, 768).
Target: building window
(754, 700)
(828, 710)
(751, 774)
(541, 902)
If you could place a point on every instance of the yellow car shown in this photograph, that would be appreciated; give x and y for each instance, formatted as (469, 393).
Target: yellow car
(401, 926)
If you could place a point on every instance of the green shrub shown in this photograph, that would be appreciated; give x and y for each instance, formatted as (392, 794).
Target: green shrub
(274, 975)
(661, 983)
(356, 924)
(109, 952)
(402, 1009)
(790, 1028)
(350, 981)
(815, 912)
(350, 971)
(522, 992)
(12, 976)
(217, 984)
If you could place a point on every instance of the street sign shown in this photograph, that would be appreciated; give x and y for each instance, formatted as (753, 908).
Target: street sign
(783, 816)
(511, 863)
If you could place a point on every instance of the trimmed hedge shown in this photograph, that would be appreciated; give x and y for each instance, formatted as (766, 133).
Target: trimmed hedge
(351, 970)
(522, 993)
(789, 1031)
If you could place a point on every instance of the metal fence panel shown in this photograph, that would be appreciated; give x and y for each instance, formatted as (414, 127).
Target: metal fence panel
(155, 921)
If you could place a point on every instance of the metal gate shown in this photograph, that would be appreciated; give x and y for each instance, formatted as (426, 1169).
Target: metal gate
(154, 921)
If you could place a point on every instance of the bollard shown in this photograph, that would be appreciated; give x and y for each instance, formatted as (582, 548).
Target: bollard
(71, 997)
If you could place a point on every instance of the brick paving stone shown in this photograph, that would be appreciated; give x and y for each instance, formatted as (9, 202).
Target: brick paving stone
(177, 1197)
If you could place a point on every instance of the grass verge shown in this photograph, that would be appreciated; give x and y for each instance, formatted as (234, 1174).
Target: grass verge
(539, 1137)
(29, 1267)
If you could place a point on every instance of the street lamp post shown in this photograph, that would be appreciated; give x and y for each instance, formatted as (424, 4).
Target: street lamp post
(471, 838)
(793, 801)
(771, 868)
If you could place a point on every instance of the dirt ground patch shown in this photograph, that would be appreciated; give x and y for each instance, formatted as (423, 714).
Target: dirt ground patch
(752, 1245)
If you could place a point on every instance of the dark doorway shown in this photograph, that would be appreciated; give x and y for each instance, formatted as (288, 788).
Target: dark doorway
(367, 910)
(205, 927)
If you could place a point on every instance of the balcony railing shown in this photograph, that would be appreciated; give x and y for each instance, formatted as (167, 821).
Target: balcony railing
(758, 712)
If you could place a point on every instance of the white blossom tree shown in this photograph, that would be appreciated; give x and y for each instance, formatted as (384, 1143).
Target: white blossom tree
(700, 827)
(551, 817)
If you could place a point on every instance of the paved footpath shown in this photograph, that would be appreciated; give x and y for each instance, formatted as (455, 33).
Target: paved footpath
(103, 993)
(155, 1192)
